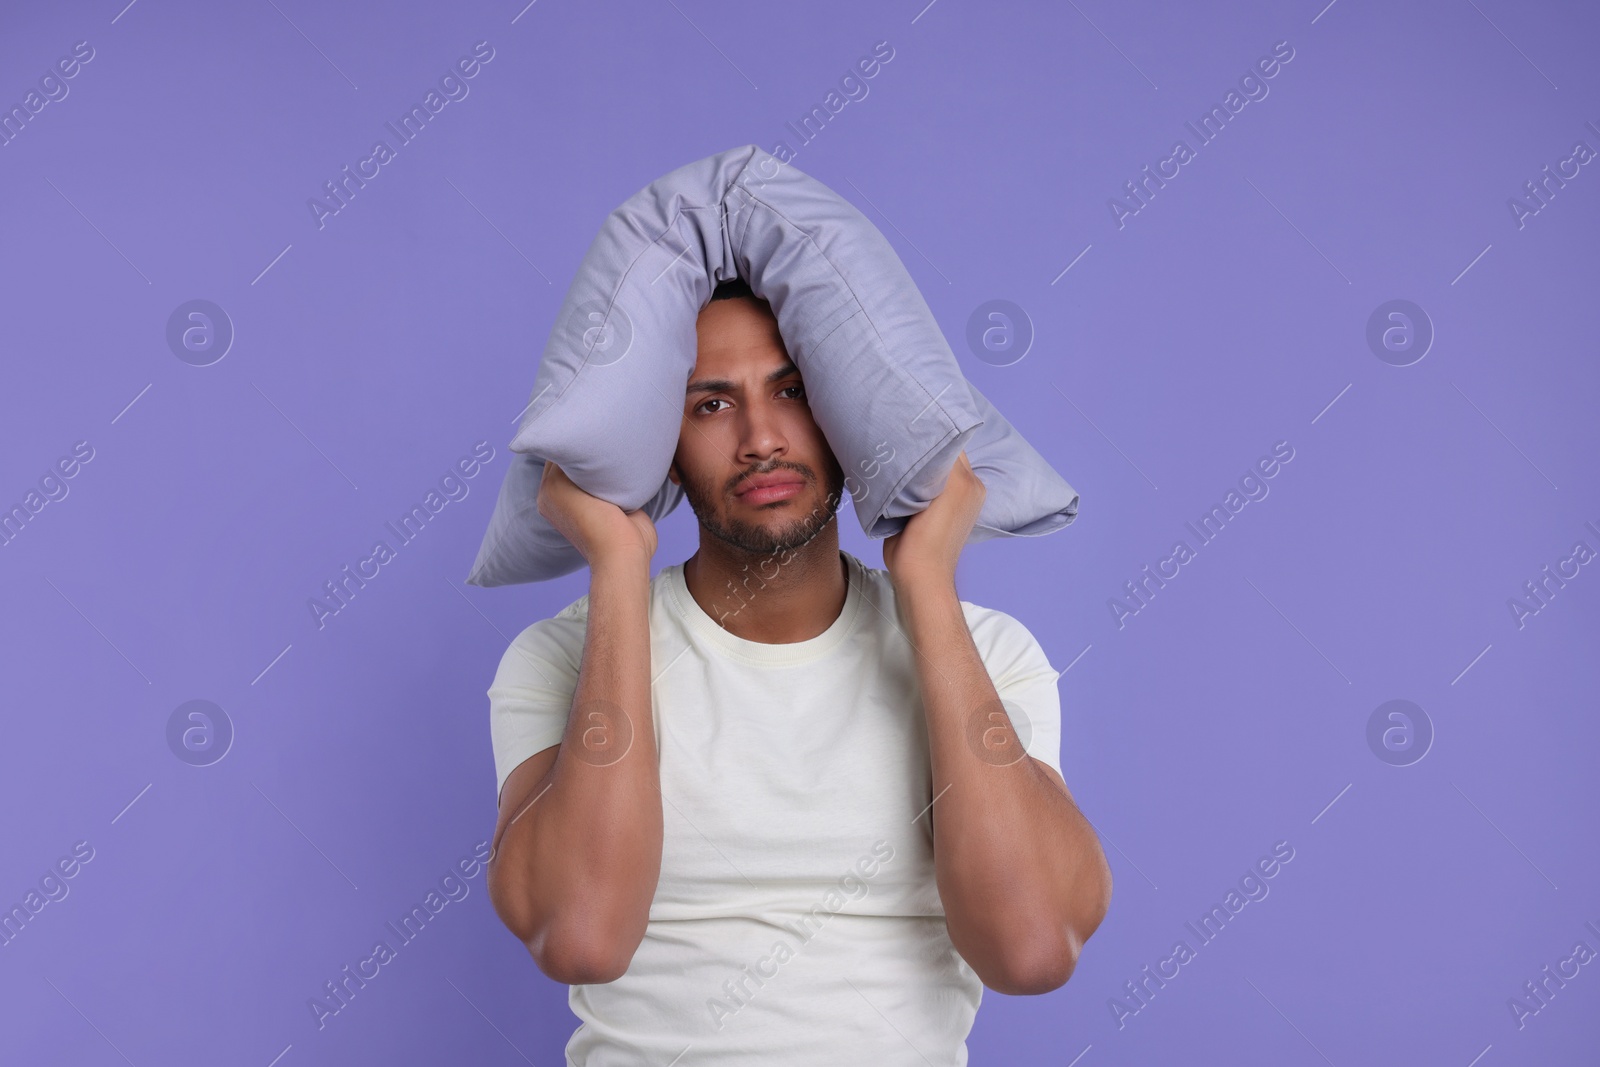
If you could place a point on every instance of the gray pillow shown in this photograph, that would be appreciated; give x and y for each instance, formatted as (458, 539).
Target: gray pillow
(882, 383)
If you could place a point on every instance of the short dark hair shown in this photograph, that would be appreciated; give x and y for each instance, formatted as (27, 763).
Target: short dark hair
(733, 287)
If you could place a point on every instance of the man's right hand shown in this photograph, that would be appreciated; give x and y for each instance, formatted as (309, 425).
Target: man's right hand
(598, 529)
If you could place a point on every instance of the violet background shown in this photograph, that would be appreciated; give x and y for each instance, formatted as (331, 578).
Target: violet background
(1229, 714)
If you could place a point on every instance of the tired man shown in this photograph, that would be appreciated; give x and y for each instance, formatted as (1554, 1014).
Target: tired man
(773, 806)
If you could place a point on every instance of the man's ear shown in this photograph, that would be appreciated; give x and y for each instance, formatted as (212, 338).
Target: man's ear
(672, 473)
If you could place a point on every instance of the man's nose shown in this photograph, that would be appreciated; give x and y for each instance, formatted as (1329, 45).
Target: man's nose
(762, 436)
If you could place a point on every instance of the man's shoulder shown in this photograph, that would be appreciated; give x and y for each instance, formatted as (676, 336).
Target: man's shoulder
(571, 621)
(992, 629)
(993, 619)
(562, 622)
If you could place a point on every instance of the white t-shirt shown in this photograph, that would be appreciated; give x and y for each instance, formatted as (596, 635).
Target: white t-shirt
(796, 920)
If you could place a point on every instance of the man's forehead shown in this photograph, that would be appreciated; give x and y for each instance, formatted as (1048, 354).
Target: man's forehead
(738, 341)
(719, 381)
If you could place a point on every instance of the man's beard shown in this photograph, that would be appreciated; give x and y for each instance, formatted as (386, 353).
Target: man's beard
(763, 540)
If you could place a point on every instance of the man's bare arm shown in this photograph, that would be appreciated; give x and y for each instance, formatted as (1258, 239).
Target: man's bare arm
(577, 848)
(1019, 870)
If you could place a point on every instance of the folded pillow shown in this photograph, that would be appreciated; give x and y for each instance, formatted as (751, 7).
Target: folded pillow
(881, 381)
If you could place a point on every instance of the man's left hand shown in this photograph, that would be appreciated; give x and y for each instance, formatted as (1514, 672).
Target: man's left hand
(927, 549)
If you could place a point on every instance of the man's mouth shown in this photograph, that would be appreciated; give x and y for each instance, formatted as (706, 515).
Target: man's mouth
(766, 488)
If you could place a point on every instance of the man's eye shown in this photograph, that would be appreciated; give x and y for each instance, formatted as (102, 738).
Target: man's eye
(713, 400)
(796, 386)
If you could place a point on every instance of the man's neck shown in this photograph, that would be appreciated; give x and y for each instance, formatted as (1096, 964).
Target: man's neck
(773, 598)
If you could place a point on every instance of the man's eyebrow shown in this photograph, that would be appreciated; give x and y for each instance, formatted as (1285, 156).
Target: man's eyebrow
(723, 385)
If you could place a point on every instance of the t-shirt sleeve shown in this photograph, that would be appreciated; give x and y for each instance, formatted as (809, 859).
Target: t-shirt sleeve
(531, 695)
(1023, 678)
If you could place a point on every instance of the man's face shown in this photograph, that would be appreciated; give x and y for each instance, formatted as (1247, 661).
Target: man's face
(745, 414)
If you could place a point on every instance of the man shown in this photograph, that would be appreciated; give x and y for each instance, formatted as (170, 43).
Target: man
(769, 807)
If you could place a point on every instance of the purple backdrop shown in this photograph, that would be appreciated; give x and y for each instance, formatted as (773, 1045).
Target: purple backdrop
(1378, 259)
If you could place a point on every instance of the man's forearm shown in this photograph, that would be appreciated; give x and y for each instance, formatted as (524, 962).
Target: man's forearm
(1019, 870)
(585, 855)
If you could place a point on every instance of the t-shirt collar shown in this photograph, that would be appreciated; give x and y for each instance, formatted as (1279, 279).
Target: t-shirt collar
(707, 629)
